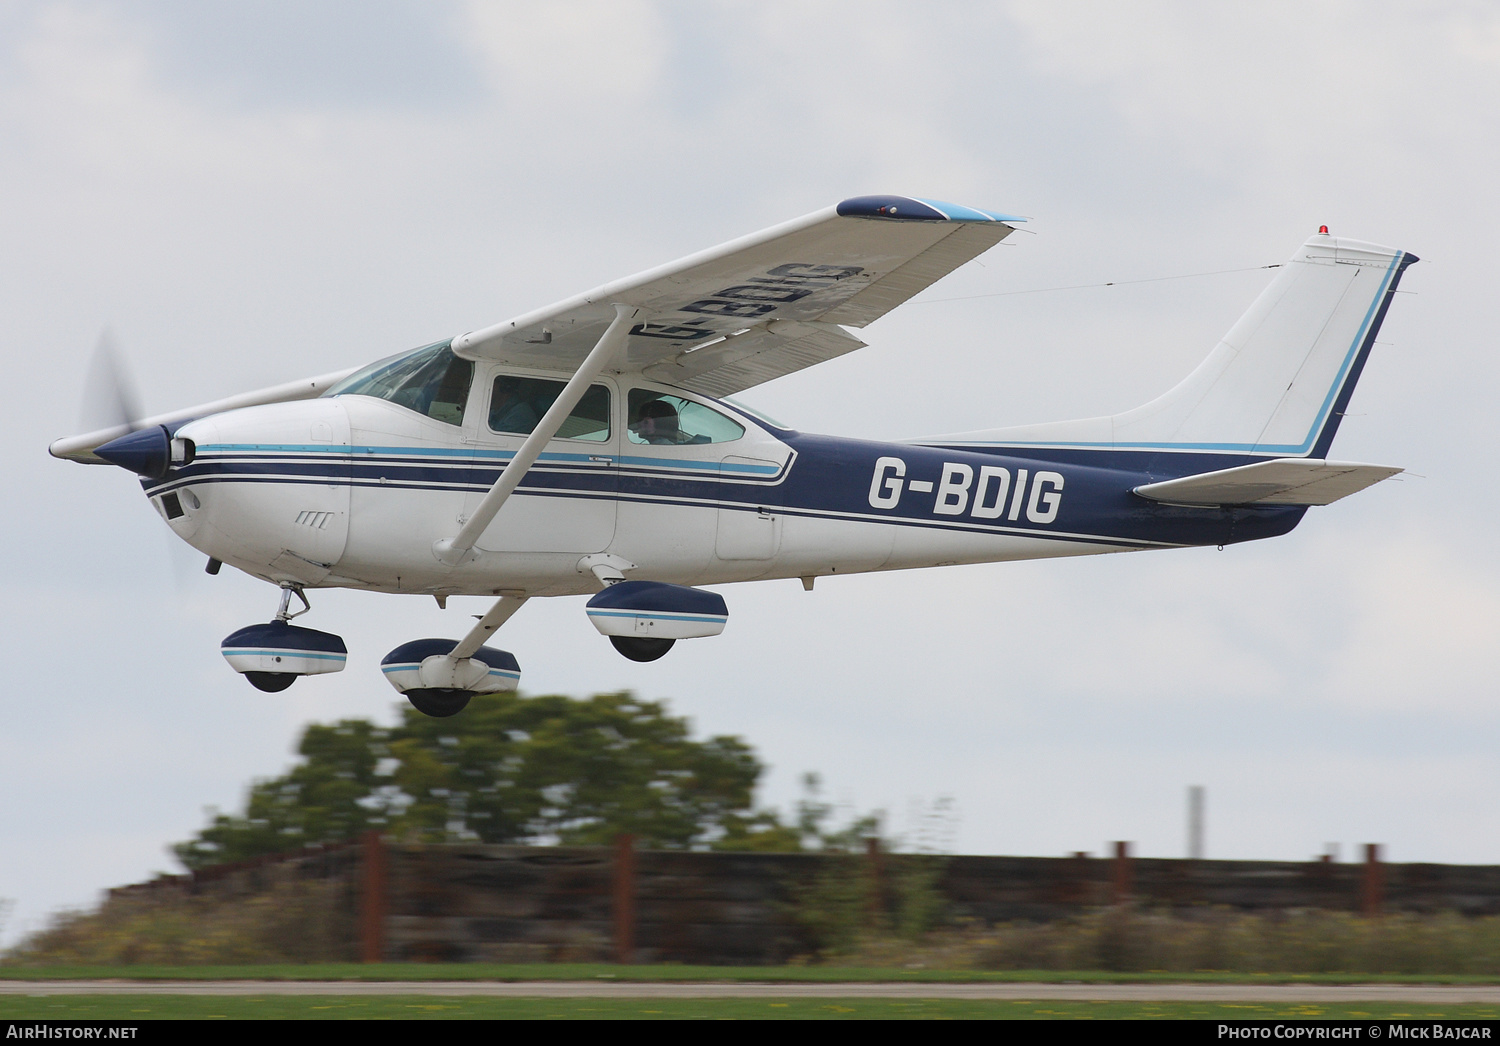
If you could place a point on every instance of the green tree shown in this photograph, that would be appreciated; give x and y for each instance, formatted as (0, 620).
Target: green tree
(556, 768)
(511, 769)
(334, 794)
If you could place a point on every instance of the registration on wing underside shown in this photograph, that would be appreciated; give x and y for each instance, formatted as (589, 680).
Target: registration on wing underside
(782, 295)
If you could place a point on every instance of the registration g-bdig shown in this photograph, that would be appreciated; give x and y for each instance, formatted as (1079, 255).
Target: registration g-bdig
(988, 493)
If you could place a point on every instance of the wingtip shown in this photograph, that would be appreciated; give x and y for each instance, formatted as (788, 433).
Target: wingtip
(911, 208)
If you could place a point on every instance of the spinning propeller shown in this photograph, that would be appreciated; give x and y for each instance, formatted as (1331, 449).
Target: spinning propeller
(109, 396)
(110, 405)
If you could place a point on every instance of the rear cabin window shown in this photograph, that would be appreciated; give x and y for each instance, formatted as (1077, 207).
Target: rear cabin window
(430, 381)
(517, 404)
(664, 420)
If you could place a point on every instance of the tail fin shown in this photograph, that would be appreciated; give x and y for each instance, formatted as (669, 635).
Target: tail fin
(1278, 382)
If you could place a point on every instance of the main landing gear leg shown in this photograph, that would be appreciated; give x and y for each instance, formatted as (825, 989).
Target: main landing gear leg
(440, 677)
(287, 589)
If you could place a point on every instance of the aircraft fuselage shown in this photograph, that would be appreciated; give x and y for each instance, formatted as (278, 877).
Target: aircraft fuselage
(354, 491)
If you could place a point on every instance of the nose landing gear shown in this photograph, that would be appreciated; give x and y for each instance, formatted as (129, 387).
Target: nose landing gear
(271, 656)
(270, 682)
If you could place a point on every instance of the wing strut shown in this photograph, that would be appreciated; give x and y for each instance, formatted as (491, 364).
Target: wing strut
(498, 615)
(460, 548)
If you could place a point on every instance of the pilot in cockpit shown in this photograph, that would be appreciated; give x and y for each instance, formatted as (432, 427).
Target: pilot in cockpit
(658, 423)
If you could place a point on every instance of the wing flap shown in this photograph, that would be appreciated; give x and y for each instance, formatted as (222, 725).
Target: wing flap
(1282, 481)
(753, 356)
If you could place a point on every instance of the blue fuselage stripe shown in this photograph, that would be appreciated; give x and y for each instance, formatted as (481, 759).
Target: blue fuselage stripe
(825, 477)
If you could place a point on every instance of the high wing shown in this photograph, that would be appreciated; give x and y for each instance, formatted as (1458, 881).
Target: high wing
(753, 309)
(1282, 481)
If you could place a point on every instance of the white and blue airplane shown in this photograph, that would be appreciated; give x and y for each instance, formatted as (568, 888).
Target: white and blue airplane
(588, 448)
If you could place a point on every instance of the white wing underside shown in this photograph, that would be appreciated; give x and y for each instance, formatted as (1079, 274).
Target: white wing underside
(769, 304)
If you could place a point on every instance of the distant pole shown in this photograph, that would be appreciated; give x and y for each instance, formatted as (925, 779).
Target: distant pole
(875, 903)
(625, 898)
(1122, 884)
(1372, 889)
(1195, 823)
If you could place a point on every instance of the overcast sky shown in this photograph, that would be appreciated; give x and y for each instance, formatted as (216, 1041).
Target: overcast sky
(251, 193)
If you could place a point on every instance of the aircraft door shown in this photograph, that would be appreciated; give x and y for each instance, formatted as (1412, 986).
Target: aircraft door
(706, 495)
(567, 500)
(749, 510)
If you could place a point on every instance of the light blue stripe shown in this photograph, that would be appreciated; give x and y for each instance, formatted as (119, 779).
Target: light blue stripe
(1338, 382)
(956, 212)
(703, 466)
(472, 452)
(436, 452)
(388, 669)
(247, 652)
(658, 617)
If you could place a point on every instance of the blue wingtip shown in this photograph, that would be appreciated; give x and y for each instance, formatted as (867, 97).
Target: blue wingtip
(910, 208)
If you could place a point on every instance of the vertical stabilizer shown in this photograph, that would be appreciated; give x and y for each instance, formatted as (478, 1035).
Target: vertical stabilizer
(1277, 383)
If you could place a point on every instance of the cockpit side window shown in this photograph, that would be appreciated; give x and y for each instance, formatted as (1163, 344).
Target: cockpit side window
(666, 420)
(430, 381)
(518, 403)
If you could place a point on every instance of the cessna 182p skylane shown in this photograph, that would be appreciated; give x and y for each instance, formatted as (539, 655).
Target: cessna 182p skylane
(586, 448)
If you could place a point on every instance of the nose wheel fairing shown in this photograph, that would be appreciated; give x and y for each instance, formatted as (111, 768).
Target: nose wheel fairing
(278, 649)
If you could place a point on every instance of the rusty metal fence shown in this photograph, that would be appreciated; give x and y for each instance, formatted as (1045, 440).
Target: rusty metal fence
(559, 903)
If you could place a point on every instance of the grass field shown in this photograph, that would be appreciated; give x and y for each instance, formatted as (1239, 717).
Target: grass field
(250, 1007)
(672, 972)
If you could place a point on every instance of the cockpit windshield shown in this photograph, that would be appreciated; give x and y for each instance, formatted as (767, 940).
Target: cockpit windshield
(430, 381)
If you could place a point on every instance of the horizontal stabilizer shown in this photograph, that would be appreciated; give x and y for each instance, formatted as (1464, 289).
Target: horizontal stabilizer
(1282, 481)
